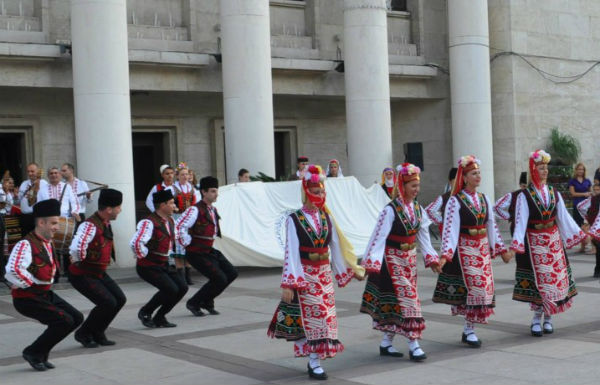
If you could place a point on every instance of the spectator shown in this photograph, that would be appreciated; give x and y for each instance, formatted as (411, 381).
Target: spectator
(597, 176)
(334, 170)
(243, 175)
(580, 188)
(194, 179)
(301, 163)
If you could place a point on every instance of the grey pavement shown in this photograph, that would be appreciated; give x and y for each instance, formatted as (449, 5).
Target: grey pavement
(233, 348)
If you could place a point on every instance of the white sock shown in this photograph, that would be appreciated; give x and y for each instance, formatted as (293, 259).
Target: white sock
(315, 363)
(386, 342)
(547, 318)
(535, 322)
(413, 346)
(469, 330)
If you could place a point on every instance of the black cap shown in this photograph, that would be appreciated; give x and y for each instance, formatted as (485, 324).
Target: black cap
(162, 196)
(110, 198)
(523, 178)
(209, 182)
(302, 159)
(47, 208)
(452, 173)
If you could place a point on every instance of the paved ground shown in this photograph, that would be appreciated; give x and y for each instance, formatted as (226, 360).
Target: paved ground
(233, 348)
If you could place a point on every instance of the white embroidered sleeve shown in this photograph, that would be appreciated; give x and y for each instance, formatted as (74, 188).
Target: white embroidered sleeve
(78, 249)
(497, 246)
(584, 206)
(434, 210)
(197, 195)
(72, 199)
(430, 256)
(595, 228)
(183, 223)
(376, 247)
(569, 230)
(521, 219)
(451, 228)
(502, 205)
(141, 237)
(149, 202)
(293, 275)
(16, 267)
(342, 273)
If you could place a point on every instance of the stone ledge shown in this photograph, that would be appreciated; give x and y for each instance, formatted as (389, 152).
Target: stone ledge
(33, 51)
(184, 59)
(412, 71)
(303, 65)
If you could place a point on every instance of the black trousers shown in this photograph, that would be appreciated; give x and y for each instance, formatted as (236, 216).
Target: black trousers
(108, 298)
(597, 244)
(3, 258)
(171, 289)
(53, 311)
(219, 271)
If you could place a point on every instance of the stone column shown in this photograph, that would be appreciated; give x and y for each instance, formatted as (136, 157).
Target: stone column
(247, 87)
(367, 81)
(102, 112)
(470, 85)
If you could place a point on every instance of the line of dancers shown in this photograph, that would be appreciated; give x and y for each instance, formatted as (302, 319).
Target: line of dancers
(316, 250)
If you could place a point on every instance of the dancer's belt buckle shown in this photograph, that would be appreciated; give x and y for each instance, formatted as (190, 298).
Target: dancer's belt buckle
(541, 226)
(475, 232)
(318, 257)
(408, 246)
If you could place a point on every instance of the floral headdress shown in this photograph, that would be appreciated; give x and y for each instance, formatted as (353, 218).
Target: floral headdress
(535, 158)
(181, 166)
(465, 164)
(406, 172)
(313, 176)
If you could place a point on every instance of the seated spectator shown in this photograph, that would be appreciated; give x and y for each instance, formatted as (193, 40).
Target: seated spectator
(334, 170)
(243, 175)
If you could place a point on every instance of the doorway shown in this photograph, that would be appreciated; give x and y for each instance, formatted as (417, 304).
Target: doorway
(12, 155)
(150, 151)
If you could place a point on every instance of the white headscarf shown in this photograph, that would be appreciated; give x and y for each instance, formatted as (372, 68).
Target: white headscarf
(340, 174)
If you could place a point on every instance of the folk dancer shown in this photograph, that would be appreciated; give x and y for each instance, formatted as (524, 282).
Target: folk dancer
(168, 175)
(543, 227)
(435, 210)
(388, 181)
(91, 251)
(504, 208)
(197, 230)
(470, 239)
(390, 296)
(315, 250)
(30, 271)
(588, 209)
(185, 196)
(152, 243)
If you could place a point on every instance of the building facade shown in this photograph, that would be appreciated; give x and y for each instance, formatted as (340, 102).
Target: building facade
(122, 87)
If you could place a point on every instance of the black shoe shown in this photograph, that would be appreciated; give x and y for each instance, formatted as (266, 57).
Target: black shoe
(417, 358)
(548, 328)
(473, 344)
(386, 352)
(103, 341)
(49, 365)
(312, 374)
(163, 323)
(146, 319)
(86, 341)
(188, 276)
(195, 311)
(536, 333)
(596, 273)
(211, 310)
(35, 362)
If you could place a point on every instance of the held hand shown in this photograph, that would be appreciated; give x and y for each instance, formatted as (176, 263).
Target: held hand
(76, 216)
(442, 263)
(507, 256)
(88, 195)
(435, 267)
(287, 295)
(359, 277)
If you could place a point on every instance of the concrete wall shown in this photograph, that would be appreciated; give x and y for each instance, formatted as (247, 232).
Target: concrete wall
(560, 38)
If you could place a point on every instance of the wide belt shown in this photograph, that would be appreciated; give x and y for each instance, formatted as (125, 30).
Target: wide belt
(316, 253)
(474, 231)
(203, 237)
(541, 225)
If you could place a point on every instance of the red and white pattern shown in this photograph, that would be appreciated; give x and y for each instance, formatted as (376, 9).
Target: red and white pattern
(434, 210)
(141, 237)
(550, 269)
(502, 206)
(84, 235)
(317, 304)
(20, 259)
(476, 266)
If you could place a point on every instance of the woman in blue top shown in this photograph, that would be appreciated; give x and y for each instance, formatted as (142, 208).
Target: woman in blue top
(580, 189)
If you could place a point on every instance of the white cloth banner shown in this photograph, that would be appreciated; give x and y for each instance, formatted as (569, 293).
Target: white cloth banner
(251, 213)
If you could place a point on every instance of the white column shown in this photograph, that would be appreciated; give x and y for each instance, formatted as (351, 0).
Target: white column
(367, 80)
(102, 112)
(247, 87)
(470, 85)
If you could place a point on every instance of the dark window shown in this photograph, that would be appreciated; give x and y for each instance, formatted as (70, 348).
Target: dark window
(413, 153)
(399, 5)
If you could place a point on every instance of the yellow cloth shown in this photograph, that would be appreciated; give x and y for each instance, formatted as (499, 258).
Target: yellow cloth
(346, 247)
